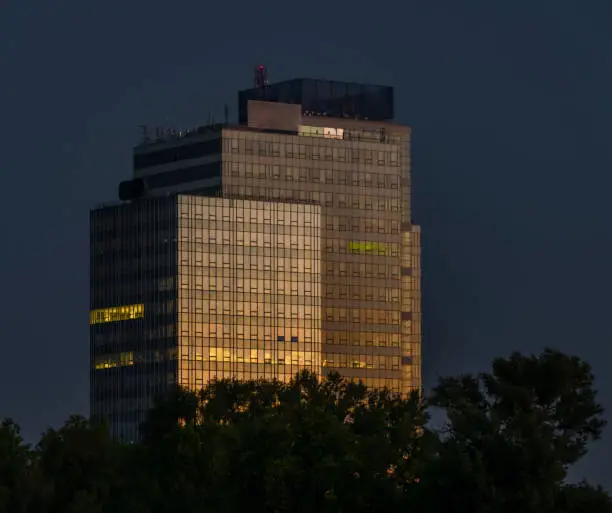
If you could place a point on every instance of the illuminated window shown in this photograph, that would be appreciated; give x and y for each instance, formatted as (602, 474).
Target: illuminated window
(114, 360)
(116, 313)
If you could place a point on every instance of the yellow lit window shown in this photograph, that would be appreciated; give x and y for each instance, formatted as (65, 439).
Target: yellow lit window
(116, 313)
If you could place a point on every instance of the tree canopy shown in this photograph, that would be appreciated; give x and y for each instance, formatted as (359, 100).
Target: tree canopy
(507, 443)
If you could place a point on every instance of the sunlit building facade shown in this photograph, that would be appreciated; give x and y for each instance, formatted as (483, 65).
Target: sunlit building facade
(359, 172)
(249, 290)
(256, 249)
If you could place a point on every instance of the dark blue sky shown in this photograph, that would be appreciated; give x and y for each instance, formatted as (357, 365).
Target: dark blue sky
(511, 111)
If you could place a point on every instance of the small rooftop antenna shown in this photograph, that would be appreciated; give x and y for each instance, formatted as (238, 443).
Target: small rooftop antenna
(261, 76)
(226, 114)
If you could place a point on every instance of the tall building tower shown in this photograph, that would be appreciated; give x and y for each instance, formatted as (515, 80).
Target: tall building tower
(254, 249)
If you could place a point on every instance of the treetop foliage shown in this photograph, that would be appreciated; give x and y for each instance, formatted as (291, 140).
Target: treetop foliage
(329, 445)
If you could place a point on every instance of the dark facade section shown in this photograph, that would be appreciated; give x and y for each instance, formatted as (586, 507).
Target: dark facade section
(190, 150)
(325, 97)
(138, 187)
(133, 340)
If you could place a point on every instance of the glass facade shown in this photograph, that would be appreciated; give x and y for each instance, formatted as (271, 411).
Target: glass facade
(370, 251)
(249, 296)
(186, 289)
(132, 310)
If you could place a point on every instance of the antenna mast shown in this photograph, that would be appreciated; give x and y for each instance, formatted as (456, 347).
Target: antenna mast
(261, 76)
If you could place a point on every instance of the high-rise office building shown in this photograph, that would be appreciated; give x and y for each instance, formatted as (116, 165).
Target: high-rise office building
(253, 249)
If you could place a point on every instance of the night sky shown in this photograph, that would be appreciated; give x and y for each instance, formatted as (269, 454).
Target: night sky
(510, 107)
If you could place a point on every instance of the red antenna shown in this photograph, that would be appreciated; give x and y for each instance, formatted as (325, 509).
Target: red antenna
(261, 76)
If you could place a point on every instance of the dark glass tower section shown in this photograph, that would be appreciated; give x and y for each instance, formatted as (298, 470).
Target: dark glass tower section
(325, 97)
(132, 310)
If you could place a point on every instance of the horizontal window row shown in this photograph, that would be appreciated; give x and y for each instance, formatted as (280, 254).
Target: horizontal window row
(285, 338)
(362, 315)
(116, 313)
(246, 253)
(270, 306)
(196, 380)
(229, 232)
(278, 288)
(344, 338)
(159, 308)
(238, 279)
(249, 314)
(379, 180)
(212, 354)
(129, 358)
(198, 375)
(254, 219)
(343, 134)
(373, 135)
(318, 149)
(353, 361)
(249, 253)
(224, 209)
(212, 256)
(369, 137)
(359, 270)
(362, 225)
(248, 328)
(240, 355)
(362, 293)
(118, 262)
(366, 201)
(201, 275)
(231, 333)
(212, 295)
(251, 238)
(113, 342)
(340, 337)
(361, 247)
(198, 225)
(278, 268)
